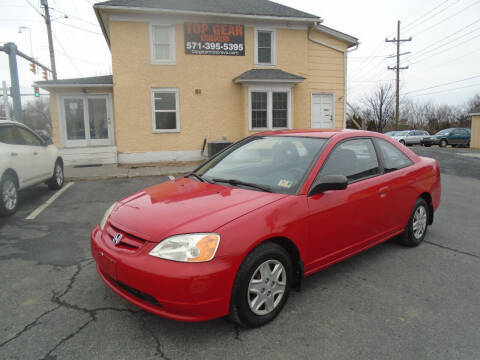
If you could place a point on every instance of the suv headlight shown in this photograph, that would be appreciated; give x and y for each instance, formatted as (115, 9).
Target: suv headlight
(187, 247)
(107, 214)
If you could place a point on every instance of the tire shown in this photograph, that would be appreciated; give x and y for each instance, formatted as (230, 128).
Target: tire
(256, 299)
(443, 143)
(454, 146)
(57, 180)
(417, 224)
(467, 145)
(402, 142)
(8, 195)
(427, 145)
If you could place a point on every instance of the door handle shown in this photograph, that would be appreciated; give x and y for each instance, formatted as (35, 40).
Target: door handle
(13, 154)
(383, 191)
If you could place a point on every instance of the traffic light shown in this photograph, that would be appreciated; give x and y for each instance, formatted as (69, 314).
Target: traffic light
(45, 74)
(33, 68)
(36, 91)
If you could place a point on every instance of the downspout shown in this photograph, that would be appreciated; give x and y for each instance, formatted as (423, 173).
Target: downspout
(345, 53)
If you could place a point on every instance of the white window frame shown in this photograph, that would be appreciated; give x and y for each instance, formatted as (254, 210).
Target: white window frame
(177, 111)
(274, 46)
(269, 90)
(172, 59)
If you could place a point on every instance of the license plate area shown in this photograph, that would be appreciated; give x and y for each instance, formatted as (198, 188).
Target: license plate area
(107, 266)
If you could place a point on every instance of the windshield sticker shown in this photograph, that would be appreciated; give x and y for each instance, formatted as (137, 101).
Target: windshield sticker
(285, 183)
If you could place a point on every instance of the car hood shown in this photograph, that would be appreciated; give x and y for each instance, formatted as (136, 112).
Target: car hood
(185, 206)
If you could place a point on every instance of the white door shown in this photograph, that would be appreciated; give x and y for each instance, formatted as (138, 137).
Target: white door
(322, 116)
(87, 120)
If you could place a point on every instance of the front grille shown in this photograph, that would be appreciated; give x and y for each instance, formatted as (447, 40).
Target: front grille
(137, 293)
(128, 241)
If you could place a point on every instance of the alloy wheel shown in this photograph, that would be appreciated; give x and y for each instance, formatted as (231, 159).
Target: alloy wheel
(59, 174)
(9, 194)
(267, 287)
(419, 222)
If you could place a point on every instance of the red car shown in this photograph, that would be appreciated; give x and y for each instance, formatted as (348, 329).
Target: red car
(234, 236)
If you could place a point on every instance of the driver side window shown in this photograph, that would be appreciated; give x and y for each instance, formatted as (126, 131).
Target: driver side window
(356, 159)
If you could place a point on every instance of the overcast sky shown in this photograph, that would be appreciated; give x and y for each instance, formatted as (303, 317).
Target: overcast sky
(444, 61)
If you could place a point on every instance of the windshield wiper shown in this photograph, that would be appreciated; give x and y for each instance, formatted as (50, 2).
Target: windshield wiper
(243, 183)
(198, 177)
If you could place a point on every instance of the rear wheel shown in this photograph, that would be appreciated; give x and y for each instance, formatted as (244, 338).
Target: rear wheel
(417, 224)
(56, 182)
(443, 143)
(9, 195)
(262, 286)
(402, 142)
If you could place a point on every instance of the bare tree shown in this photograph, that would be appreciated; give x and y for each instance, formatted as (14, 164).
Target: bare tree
(379, 107)
(37, 114)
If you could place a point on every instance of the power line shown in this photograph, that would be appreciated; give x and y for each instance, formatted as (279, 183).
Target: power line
(447, 18)
(79, 28)
(66, 54)
(464, 56)
(422, 53)
(446, 37)
(34, 7)
(442, 51)
(432, 16)
(449, 90)
(440, 85)
(424, 14)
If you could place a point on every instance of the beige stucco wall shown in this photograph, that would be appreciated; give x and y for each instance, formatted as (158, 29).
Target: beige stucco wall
(475, 139)
(222, 107)
(55, 111)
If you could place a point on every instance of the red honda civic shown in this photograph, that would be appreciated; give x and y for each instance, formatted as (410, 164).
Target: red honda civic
(234, 236)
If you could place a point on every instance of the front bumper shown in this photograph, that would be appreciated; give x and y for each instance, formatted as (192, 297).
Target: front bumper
(175, 290)
(429, 141)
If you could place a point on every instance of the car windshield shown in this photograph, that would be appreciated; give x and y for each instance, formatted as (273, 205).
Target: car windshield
(443, 132)
(269, 163)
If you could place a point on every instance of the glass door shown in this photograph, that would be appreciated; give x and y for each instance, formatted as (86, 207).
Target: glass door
(87, 120)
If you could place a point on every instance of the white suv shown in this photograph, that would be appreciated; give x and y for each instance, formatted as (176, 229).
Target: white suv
(25, 160)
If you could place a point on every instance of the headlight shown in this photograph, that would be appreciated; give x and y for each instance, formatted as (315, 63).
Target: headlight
(105, 217)
(188, 247)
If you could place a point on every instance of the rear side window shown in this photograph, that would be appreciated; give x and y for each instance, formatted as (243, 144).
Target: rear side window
(26, 137)
(355, 159)
(393, 158)
(6, 135)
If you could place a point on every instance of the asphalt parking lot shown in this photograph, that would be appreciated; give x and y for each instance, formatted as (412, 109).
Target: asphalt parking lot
(389, 302)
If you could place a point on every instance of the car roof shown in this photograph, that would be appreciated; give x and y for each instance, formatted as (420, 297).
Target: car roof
(319, 133)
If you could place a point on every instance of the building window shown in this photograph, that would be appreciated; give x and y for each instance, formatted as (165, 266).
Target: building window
(162, 44)
(269, 109)
(165, 110)
(265, 49)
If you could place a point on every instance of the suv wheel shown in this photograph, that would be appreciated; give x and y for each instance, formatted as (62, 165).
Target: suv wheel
(8, 195)
(56, 182)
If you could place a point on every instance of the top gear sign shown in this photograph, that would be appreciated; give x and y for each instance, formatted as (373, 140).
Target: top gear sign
(214, 39)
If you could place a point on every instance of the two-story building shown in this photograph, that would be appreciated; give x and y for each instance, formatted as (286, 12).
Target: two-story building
(189, 70)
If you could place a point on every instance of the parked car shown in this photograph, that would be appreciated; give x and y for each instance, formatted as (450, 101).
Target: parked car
(234, 236)
(25, 160)
(453, 136)
(410, 137)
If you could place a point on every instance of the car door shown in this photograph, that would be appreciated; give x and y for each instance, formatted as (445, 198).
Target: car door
(456, 137)
(34, 155)
(341, 222)
(7, 141)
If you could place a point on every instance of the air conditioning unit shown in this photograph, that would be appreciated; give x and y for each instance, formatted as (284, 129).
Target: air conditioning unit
(217, 146)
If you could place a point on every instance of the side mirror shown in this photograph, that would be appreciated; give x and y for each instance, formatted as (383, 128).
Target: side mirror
(328, 182)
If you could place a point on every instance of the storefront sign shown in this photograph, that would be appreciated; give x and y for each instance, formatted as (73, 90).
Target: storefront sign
(214, 39)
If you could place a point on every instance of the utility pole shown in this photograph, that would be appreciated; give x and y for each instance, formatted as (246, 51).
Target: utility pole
(50, 39)
(397, 68)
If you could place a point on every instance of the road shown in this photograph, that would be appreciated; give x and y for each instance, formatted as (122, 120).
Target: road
(389, 302)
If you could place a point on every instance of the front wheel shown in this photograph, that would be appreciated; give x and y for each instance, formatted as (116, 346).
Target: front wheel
(417, 224)
(402, 142)
(8, 195)
(56, 182)
(443, 143)
(262, 286)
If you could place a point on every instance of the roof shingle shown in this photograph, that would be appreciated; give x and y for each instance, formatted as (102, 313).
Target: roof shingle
(240, 7)
(275, 75)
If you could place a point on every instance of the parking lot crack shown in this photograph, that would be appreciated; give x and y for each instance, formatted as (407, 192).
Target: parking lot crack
(453, 250)
(27, 327)
(159, 347)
